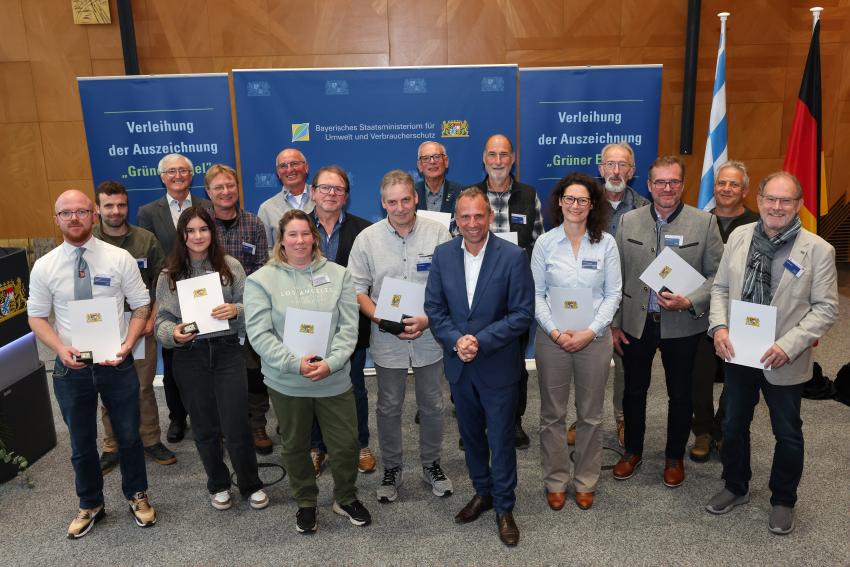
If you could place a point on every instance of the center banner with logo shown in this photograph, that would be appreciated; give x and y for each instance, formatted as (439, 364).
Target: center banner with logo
(369, 121)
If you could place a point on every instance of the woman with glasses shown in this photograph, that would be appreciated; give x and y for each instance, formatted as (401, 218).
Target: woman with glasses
(574, 260)
(210, 368)
(312, 385)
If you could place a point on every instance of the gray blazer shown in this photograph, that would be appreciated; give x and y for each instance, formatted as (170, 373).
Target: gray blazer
(806, 307)
(156, 217)
(701, 248)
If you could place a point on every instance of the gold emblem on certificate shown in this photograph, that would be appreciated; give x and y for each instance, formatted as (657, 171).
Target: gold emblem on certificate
(201, 292)
(752, 322)
(94, 318)
(396, 300)
(306, 329)
(665, 271)
(570, 304)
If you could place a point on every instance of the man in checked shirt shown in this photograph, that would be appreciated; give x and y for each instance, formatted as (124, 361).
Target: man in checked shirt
(243, 236)
(516, 208)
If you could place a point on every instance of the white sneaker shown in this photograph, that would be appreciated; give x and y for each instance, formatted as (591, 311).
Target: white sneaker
(434, 476)
(221, 500)
(259, 500)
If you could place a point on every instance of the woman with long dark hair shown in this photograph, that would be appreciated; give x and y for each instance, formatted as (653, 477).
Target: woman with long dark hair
(210, 368)
(574, 254)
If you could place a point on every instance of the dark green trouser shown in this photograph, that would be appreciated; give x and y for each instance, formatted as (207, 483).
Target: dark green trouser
(337, 417)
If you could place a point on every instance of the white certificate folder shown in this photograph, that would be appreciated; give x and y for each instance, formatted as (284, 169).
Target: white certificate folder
(572, 308)
(198, 296)
(95, 327)
(752, 330)
(307, 332)
(671, 271)
(400, 297)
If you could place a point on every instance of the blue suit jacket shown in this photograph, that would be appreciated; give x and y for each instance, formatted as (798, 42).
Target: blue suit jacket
(502, 309)
(450, 192)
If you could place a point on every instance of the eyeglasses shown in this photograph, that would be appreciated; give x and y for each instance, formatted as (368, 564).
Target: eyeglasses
(784, 201)
(176, 170)
(290, 164)
(432, 157)
(610, 165)
(79, 213)
(662, 183)
(729, 184)
(325, 189)
(223, 186)
(569, 201)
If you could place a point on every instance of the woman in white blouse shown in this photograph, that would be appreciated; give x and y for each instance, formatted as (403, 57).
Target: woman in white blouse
(573, 342)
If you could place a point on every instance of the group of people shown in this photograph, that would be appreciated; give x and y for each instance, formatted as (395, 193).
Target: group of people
(304, 251)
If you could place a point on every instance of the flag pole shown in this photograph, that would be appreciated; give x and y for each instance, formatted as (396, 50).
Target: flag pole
(815, 15)
(816, 10)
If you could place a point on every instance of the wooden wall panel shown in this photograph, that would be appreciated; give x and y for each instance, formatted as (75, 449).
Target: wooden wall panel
(42, 52)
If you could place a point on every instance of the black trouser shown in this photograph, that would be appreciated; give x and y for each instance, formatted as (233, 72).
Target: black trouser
(176, 409)
(706, 369)
(677, 355)
(211, 374)
(522, 398)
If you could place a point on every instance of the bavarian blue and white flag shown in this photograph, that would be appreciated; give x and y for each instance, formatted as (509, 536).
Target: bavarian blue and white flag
(715, 146)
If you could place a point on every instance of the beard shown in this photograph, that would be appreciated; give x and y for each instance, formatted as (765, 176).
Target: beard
(615, 187)
(115, 223)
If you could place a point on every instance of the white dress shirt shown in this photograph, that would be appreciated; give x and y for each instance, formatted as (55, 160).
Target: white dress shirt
(472, 268)
(177, 207)
(52, 282)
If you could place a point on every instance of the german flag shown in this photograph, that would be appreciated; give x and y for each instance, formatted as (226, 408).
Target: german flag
(804, 155)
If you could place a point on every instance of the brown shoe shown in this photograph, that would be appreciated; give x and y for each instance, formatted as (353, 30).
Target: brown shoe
(318, 457)
(262, 442)
(626, 466)
(701, 451)
(571, 434)
(621, 432)
(474, 508)
(674, 473)
(366, 462)
(508, 532)
(556, 500)
(584, 500)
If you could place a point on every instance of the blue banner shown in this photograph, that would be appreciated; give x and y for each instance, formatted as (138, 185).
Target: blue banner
(369, 121)
(567, 115)
(132, 122)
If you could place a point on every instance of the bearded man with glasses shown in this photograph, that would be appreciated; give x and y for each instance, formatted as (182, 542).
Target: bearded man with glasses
(670, 322)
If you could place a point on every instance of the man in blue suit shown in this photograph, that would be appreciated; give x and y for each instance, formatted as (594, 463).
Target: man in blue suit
(479, 300)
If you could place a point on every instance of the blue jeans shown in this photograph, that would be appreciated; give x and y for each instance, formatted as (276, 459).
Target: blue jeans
(361, 401)
(76, 392)
(783, 402)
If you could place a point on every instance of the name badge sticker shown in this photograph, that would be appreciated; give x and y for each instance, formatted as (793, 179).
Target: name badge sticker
(589, 264)
(517, 218)
(103, 280)
(249, 248)
(794, 267)
(423, 263)
(142, 263)
(673, 240)
(320, 279)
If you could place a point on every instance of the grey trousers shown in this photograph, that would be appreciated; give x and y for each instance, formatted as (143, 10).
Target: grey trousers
(556, 371)
(392, 383)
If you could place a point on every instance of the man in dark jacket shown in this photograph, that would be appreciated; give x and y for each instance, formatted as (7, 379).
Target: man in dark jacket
(436, 193)
(338, 230)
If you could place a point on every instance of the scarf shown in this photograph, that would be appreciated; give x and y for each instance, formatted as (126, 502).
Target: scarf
(759, 259)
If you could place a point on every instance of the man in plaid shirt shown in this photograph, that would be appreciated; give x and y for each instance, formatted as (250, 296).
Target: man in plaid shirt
(516, 208)
(243, 236)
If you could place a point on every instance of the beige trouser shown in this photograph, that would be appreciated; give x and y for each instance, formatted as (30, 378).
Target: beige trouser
(149, 429)
(619, 387)
(556, 370)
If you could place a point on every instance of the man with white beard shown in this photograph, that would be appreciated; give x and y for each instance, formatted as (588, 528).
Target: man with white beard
(616, 169)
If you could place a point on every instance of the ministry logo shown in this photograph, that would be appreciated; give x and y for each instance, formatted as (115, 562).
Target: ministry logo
(455, 129)
(301, 132)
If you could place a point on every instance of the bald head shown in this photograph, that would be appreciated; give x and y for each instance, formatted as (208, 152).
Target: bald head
(72, 199)
(292, 169)
(74, 216)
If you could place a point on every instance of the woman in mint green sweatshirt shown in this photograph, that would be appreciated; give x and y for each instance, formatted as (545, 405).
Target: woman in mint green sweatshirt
(312, 385)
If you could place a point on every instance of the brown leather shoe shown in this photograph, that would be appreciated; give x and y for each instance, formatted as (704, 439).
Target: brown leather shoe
(621, 432)
(262, 442)
(701, 451)
(584, 500)
(508, 532)
(571, 434)
(474, 508)
(674, 473)
(318, 457)
(556, 500)
(626, 466)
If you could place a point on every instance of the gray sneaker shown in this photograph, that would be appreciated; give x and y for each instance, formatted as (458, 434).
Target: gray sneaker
(388, 489)
(725, 500)
(435, 477)
(781, 520)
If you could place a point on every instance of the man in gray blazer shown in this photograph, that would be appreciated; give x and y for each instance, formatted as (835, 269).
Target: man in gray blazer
(160, 217)
(666, 321)
(772, 262)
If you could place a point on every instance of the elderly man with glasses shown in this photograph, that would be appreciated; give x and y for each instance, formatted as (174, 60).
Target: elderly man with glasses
(435, 192)
(670, 322)
(292, 170)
